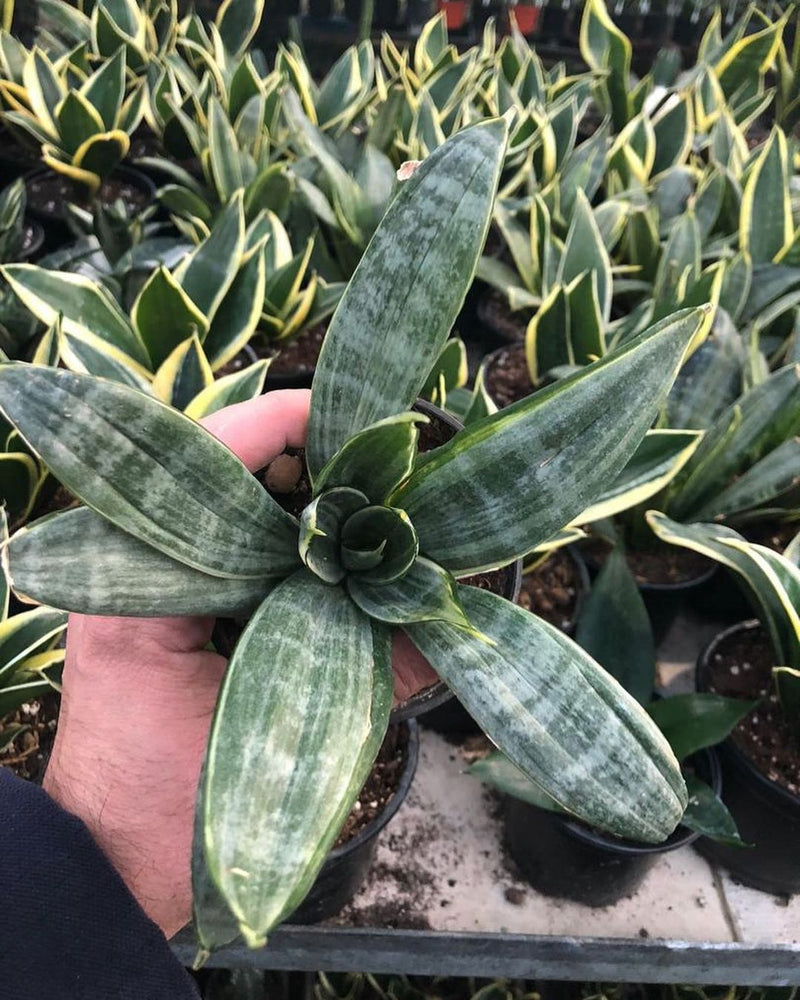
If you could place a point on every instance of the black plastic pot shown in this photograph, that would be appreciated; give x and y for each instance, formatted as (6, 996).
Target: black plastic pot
(288, 380)
(55, 225)
(567, 860)
(767, 815)
(346, 867)
(553, 23)
(664, 601)
(500, 334)
(34, 247)
(451, 718)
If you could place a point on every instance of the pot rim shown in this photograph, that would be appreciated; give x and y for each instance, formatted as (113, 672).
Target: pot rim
(38, 239)
(439, 693)
(701, 681)
(665, 588)
(680, 837)
(376, 825)
(480, 311)
(137, 177)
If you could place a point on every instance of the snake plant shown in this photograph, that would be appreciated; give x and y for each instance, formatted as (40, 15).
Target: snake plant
(30, 663)
(83, 131)
(771, 582)
(12, 221)
(184, 324)
(175, 525)
(147, 30)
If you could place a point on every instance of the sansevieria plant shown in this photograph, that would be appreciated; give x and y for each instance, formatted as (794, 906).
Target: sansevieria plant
(84, 132)
(175, 525)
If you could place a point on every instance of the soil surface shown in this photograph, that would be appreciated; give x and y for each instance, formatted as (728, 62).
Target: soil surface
(381, 785)
(238, 362)
(50, 192)
(30, 236)
(28, 753)
(552, 591)
(741, 667)
(299, 355)
(495, 313)
(60, 499)
(659, 565)
(773, 535)
(507, 376)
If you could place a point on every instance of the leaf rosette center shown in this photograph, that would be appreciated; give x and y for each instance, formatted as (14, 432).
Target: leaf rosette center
(343, 534)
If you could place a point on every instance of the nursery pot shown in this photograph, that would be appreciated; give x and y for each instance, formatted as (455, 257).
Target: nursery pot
(346, 867)
(563, 858)
(527, 17)
(451, 718)
(297, 370)
(456, 13)
(664, 601)
(516, 383)
(554, 23)
(52, 214)
(505, 326)
(34, 241)
(767, 815)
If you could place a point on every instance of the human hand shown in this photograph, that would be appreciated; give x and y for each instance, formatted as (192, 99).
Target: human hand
(138, 695)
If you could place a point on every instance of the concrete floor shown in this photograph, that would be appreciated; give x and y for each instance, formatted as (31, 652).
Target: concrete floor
(440, 864)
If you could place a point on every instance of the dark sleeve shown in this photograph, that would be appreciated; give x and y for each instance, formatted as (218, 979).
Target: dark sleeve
(73, 930)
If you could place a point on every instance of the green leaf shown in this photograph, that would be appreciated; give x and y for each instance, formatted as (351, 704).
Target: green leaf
(388, 529)
(608, 51)
(82, 305)
(614, 628)
(93, 357)
(208, 273)
(763, 483)
(771, 582)
(750, 428)
(376, 460)
(223, 150)
(237, 22)
(291, 747)
(26, 634)
(184, 374)
(400, 305)
(707, 814)
(448, 373)
(584, 250)
(79, 562)
(426, 592)
(497, 770)
(151, 471)
(321, 531)
(164, 316)
(567, 329)
(692, 722)
(237, 316)
(765, 226)
(230, 389)
(558, 716)
(105, 89)
(655, 463)
(77, 121)
(508, 482)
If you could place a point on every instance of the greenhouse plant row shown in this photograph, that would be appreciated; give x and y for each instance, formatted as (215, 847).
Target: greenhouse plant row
(425, 393)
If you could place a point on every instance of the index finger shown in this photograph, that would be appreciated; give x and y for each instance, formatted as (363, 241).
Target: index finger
(261, 428)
